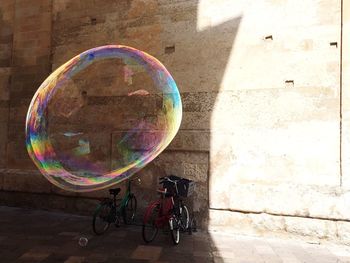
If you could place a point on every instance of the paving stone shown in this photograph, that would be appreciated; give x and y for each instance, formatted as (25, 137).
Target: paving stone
(74, 259)
(73, 234)
(25, 236)
(147, 253)
(33, 255)
(95, 258)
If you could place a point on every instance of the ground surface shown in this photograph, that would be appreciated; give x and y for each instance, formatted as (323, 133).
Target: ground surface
(40, 236)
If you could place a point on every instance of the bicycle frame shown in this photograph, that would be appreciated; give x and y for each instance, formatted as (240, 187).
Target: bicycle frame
(126, 197)
(119, 207)
(166, 205)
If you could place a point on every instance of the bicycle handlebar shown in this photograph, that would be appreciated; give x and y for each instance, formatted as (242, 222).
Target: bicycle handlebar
(166, 178)
(134, 179)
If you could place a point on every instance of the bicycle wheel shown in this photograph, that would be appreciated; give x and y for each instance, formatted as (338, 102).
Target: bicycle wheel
(129, 211)
(174, 226)
(185, 218)
(101, 219)
(149, 228)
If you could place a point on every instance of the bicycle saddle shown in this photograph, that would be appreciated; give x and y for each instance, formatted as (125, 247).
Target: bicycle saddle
(114, 191)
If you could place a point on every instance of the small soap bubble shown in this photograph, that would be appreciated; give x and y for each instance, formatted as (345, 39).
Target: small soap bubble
(83, 241)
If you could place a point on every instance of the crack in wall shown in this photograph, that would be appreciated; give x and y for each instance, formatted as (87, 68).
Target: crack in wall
(280, 214)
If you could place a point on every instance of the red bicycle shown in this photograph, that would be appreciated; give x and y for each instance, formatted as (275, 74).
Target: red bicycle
(169, 210)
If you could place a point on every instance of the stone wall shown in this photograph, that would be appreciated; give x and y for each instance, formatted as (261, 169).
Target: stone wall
(265, 129)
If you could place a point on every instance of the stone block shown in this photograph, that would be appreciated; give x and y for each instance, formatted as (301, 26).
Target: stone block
(5, 54)
(343, 232)
(4, 111)
(3, 142)
(312, 228)
(267, 225)
(55, 190)
(304, 201)
(200, 121)
(25, 181)
(85, 206)
(2, 172)
(17, 156)
(18, 112)
(5, 77)
(193, 165)
(195, 140)
(243, 130)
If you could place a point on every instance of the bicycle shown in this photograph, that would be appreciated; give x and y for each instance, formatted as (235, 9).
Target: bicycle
(169, 209)
(108, 211)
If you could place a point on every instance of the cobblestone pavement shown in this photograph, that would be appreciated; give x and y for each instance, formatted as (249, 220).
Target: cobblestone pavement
(40, 236)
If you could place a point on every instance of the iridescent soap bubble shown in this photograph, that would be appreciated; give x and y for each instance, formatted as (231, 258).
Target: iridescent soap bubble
(101, 117)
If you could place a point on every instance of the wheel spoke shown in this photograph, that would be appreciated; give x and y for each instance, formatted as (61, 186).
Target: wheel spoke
(149, 228)
(101, 219)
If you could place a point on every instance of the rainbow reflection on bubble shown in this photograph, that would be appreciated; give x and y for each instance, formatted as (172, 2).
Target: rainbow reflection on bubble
(67, 154)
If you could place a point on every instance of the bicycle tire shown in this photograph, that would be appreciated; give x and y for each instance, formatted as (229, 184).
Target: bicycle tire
(174, 229)
(149, 228)
(101, 215)
(185, 218)
(129, 210)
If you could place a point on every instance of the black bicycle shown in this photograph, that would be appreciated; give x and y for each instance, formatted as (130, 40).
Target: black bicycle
(109, 210)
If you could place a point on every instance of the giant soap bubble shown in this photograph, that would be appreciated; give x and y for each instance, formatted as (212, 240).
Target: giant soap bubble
(101, 117)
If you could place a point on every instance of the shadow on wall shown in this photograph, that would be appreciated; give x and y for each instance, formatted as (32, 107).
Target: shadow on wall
(195, 48)
(195, 52)
(5, 63)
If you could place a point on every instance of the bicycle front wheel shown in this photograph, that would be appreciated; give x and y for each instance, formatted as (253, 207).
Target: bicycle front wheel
(174, 229)
(101, 219)
(129, 211)
(149, 227)
(185, 218)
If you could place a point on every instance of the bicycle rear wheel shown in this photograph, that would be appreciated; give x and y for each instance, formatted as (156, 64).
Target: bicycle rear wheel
(174, 226)
(129, 211)
(101, 219)
(149, 227)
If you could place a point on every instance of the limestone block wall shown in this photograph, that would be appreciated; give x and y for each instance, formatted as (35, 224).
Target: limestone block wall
(264, 84)
(277, 164)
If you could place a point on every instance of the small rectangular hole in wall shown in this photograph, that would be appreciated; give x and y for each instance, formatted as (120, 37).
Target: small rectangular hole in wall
(93, 21)
(334, 44)
(289, 83)
(169, 50)
(268, 37)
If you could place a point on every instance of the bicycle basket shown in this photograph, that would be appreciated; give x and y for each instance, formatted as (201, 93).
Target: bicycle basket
(185, 186)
